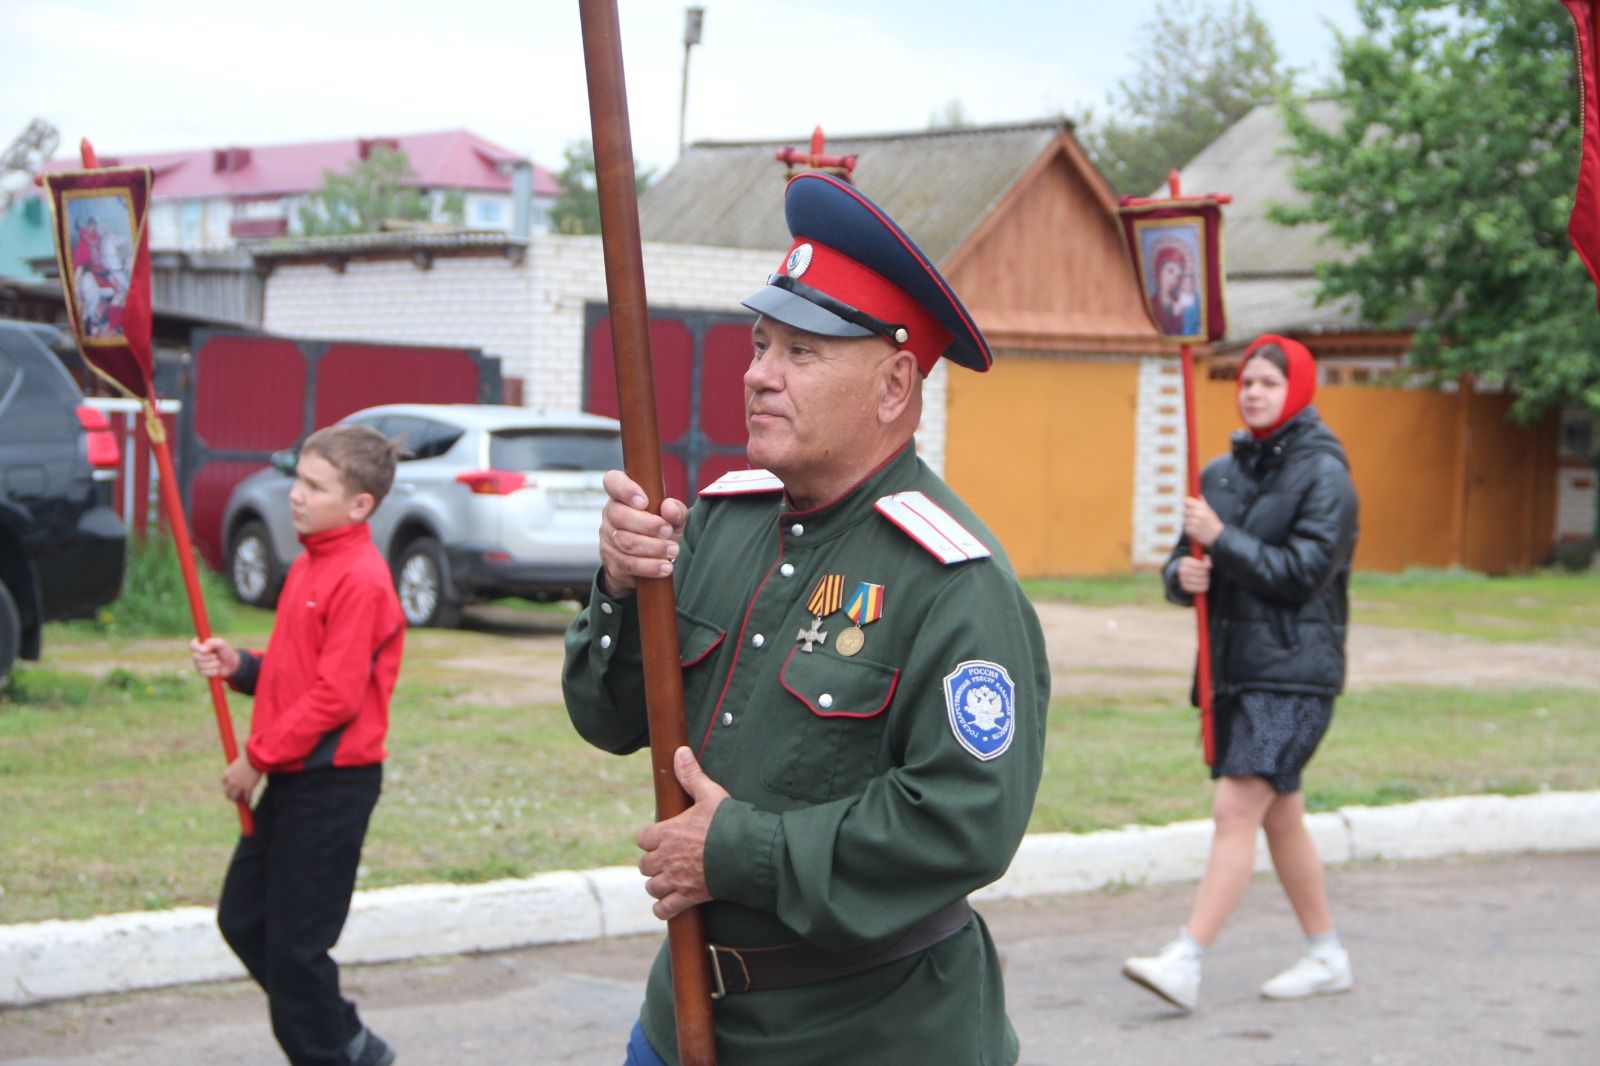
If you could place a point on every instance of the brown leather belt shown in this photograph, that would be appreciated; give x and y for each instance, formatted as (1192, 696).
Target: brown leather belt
(803, 963)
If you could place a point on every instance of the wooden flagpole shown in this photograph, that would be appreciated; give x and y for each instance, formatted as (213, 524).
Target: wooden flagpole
(630, 330)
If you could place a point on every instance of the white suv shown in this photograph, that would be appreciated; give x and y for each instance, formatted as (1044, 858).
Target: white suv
(496, 501)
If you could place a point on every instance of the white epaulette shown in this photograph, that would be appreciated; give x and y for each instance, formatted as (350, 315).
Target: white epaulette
(743, 483)
(932, 527)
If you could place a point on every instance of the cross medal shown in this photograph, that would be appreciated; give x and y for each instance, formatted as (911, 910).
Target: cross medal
(815, 635)
(825, 599)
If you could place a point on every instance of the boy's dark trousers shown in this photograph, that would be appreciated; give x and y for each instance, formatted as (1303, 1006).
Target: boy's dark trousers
(285, 901)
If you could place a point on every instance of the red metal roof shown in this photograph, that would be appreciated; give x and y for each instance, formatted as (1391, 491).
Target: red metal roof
(453, 159)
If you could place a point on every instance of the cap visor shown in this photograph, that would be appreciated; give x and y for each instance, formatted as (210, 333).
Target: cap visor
(799, 313)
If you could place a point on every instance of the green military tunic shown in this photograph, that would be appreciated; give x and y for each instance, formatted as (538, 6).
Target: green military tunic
(867, 791)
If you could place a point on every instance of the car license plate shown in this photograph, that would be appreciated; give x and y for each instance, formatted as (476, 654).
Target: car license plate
(578, 499)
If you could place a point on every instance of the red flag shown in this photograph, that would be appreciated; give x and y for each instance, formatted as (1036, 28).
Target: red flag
(1176, 247)
(104, 257)
(1584, 226)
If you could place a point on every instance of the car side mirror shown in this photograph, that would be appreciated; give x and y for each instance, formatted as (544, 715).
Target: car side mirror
(284, 462)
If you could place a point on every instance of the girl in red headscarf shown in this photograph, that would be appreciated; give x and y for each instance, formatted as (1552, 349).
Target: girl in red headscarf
(1277, 517)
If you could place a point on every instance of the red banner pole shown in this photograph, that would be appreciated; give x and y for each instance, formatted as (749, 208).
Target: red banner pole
(172, 505)
(1202, 612)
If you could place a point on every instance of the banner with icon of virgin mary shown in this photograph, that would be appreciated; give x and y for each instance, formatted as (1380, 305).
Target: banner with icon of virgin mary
(104, 259)
(1177, 257)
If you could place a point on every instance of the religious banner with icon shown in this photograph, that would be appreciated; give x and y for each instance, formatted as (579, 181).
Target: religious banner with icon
(1176, 246)
(104, 258)
(1175, 243)
(99, 218)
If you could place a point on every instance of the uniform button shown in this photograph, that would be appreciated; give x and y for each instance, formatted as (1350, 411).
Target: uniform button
(605, 608)
(797, 529)
(825, 701)
(605, 641)
(758, 640)
(727, 717)
(787, 569)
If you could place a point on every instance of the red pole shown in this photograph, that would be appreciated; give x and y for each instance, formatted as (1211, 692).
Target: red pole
(658, 625)
(1202, 607)
(1202, 613)
(172, 505)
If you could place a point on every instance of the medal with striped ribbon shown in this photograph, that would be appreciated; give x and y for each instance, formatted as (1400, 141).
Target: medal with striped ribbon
(866, 607)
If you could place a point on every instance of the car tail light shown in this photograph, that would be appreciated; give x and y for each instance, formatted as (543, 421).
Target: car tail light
(492, 482)
(104, 453)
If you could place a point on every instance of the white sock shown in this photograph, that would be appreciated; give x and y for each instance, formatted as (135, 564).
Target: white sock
(1324, 943)
(1191, 947)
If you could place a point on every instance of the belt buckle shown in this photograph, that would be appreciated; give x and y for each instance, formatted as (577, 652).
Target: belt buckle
(720, 989)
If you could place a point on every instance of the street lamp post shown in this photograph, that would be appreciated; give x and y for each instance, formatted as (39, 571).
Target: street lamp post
(693, 18)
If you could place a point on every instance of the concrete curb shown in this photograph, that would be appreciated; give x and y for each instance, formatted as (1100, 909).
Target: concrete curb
(123, 952)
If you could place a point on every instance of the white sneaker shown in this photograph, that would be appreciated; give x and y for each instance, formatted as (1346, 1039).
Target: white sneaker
(1319, 972)
(1173, 974)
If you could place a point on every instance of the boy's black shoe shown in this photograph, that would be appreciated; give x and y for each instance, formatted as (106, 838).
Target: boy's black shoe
(368, 1049)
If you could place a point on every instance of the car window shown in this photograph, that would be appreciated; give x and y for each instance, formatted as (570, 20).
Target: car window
(377, 422)
(8, 373)
(555, 449)
(405, 429)
(433, 439)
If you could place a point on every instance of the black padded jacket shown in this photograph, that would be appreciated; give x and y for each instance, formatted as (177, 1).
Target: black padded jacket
(1280, 573)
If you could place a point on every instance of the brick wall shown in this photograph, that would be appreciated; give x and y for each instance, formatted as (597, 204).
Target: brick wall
(477, 301)
(1159, 458)
(1575, 503)
(530, 314)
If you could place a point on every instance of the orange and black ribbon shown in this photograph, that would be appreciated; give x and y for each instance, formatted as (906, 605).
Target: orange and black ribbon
(828, 596)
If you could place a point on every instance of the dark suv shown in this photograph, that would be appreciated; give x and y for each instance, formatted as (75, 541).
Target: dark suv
(62, 547)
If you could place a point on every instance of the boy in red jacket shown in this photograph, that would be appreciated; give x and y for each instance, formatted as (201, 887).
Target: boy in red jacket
(321, 712)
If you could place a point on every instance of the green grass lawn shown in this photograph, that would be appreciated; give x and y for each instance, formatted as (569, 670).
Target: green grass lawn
(109, 759)
(1134, 759)
(109, 797)
(1543, 606)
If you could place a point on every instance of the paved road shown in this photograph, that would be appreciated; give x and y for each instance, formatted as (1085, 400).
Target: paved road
(1462, 962)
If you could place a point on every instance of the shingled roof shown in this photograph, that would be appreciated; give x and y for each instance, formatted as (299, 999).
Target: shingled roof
(1253, 161)
(938, 184)
(1271, 268)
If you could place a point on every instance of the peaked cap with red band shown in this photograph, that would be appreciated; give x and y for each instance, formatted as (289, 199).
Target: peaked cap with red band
(852, 272)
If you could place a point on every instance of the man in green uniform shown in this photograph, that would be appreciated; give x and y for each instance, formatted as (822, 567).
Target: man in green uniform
(865, 683)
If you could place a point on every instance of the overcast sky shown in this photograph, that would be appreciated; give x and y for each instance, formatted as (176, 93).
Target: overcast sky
(148, 75)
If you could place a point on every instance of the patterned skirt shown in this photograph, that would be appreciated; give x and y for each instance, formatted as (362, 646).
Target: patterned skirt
(1270, 734)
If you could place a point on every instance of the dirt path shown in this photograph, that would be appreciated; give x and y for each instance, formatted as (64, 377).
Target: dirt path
(508, 654)
(1091, 649)
(1099, 649)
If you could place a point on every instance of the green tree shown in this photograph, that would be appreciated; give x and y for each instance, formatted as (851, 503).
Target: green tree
(1200, 71)
(1449, 180)
(577, 209)
(369, 193)
(952, 115)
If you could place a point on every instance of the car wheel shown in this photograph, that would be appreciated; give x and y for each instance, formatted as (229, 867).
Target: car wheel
(254, 572)
(10, 636)
(420, 577)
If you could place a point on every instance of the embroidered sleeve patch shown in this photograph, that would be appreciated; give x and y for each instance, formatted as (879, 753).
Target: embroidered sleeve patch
(982, 701)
